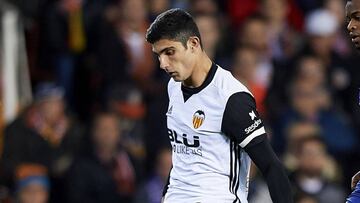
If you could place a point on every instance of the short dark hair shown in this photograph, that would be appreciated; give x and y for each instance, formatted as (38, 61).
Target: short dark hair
(174, 24)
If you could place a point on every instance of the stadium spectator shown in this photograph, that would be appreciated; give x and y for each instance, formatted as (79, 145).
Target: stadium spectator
(151, 190)
(254, 34)
(43, 134)
(321, 28)
(308, 179)
(312, 70)
(156, 7)
(105, 173)
(212, 34)
(284, 42)
(245, 65)
(127, 101)
(67, 35)
(295, 132)
(209, 29)
(131, 28)
(207, 7)
(311, 103)
(239, 10)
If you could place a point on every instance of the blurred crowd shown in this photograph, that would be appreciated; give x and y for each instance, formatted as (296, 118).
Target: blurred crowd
(96, 128)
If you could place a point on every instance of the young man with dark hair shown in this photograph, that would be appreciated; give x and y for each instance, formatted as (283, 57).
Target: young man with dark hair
(352, 10)
(213, 125)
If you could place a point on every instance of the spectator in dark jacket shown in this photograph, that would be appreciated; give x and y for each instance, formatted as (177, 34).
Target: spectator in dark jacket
(106, 174)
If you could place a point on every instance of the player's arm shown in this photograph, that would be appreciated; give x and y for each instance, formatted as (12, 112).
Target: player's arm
(241, 123)
(273, 172)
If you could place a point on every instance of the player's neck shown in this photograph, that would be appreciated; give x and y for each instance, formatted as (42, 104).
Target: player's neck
(200, 71)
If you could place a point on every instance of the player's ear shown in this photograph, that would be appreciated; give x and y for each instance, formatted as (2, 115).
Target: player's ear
(193, 43)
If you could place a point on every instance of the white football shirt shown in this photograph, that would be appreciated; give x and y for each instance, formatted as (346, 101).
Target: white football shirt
(209, 127)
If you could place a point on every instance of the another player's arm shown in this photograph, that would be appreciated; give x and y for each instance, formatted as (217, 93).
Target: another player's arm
(241, 123)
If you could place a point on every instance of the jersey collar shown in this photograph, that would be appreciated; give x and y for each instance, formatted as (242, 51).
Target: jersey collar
(188, 91)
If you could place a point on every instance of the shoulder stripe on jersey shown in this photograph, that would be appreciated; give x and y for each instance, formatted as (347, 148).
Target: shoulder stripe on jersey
(234, 169)
(238, 160)
(237, 180)
(231, 166)
(256, 133)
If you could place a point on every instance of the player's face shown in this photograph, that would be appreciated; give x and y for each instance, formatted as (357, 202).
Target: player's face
(174, 58)
(352, 10)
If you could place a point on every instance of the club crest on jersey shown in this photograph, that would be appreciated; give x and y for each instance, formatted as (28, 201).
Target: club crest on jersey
(198, 118)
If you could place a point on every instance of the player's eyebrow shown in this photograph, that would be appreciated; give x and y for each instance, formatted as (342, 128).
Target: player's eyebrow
(355, 13)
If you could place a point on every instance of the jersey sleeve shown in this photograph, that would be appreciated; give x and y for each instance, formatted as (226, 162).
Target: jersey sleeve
(241, 121)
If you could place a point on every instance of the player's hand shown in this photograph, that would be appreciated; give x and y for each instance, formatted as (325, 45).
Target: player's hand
(355, 179)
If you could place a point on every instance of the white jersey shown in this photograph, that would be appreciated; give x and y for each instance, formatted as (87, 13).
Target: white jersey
(208, 134)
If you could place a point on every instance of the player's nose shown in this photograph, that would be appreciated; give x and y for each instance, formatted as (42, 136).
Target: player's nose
(350, 26)
(163, 62)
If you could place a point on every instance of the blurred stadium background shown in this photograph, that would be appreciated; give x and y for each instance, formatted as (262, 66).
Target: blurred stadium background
(83, 102)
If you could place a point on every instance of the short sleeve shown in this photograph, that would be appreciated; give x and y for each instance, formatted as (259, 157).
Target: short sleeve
(241, 121)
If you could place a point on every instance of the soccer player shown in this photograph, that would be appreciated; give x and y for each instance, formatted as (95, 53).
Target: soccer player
(355, 185)
(352, 10)
(212, 122)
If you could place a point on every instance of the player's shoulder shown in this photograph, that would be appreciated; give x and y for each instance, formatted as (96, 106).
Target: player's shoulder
(228, 84)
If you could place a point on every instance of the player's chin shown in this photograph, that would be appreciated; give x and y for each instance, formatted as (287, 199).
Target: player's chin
(177, 79)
